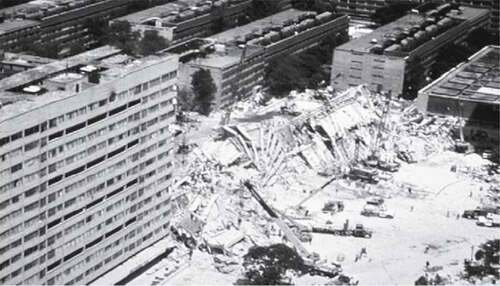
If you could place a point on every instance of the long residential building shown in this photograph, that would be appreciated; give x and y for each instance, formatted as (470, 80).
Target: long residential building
(86, 165)
(396, 56)
(471, 91)
(60, 22)
(183, 20)
(239, 56)
(492, 5)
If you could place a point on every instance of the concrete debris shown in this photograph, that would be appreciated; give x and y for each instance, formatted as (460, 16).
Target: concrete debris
(316, 158)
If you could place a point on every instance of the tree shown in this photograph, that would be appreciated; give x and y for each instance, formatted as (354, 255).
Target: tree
(185, 100)
(121, 36)
(268, 265)
(204, 90)
(151, 42)
(486, 258)
(392, 12)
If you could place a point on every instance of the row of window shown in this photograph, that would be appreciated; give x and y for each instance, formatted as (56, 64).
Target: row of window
(54, 122)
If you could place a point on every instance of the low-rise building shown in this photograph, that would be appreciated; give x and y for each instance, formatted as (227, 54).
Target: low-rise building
(398, 55)
(86, 165)
(471, 91)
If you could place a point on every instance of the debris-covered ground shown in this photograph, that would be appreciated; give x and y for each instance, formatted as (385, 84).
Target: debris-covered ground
(353, 150)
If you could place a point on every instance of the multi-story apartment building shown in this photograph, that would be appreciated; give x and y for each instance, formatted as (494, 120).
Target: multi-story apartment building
(86, 165)
(394, 56)
(238, 57)
(183, 20)
(58, 21)
(471, 91)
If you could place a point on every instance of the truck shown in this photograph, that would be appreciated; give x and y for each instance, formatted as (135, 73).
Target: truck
(333, 207)
(363, 174)
(376, 207)
(480, 211)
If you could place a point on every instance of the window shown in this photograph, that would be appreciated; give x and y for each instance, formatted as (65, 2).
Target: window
(32, 130)
(30, 146)
(16, 167)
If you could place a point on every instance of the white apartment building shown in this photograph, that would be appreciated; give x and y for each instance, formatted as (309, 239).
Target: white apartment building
(86, 160)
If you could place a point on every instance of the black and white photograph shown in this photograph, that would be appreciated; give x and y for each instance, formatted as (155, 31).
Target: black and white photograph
(249, 142)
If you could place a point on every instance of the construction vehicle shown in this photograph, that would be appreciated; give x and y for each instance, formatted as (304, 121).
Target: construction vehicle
(359, 231)
(461, 146)
(310, 259)
(333, 206)
(376, 207)
(489, 220)
(363, 174)
(480, 211)
(374, 159)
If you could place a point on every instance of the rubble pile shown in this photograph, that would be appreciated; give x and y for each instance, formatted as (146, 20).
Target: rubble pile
(316, 140)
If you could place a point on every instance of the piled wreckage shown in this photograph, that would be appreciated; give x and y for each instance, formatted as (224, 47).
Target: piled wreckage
(356, 135)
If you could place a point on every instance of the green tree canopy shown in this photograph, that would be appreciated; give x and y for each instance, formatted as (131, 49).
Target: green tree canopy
(151, 42)
(268, 265)
(121, 35)
(204, 90)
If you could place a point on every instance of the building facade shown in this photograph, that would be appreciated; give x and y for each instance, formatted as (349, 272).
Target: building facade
(86, 165)
(471, 91)
(237, 58)
(399, 54)
(59, 22)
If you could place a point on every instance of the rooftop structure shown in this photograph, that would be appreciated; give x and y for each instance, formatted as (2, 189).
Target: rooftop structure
(34, 88)
(261, 26)
(399, 55)
(408, 33)
(11, 63)
(187, 19)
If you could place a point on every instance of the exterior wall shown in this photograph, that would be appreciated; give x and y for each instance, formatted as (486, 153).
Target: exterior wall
(362, 9)
(73, 203)
(350, 68)
(477, 115)
(308, 38)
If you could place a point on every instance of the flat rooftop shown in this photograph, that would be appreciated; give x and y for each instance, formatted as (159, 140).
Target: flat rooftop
(24, 60)
(10, 25)
(478, 79)
(407, 27)
(32, 13)
(257, 26)
(227, 57)
(161, 11)
(19, 92)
